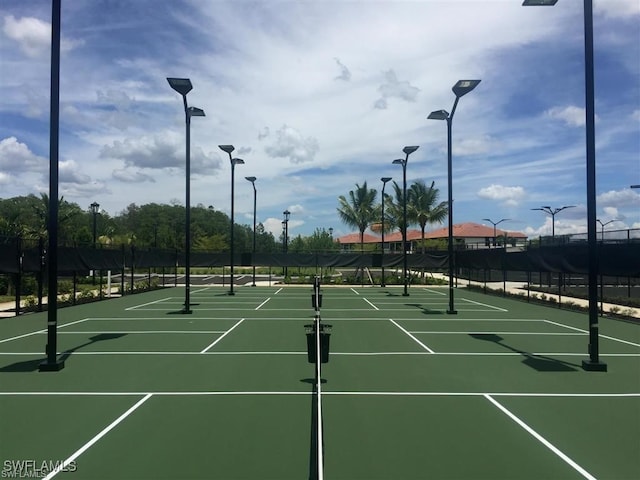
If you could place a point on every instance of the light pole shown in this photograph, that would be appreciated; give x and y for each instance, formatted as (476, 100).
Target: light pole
(553, 212)
(285, 224)
(183, 86)
(52, 363)
(594, 363)
(255, 196)
(95, 210)
(495, 224)
(233, 162)
(399, 161)
(384, 184)
(604, 225)
(461, 88)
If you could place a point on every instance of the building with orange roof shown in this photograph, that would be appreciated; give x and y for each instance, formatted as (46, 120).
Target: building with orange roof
(465, 235)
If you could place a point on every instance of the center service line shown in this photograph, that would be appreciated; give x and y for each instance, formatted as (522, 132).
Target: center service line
(414, 338)
(88, 445)
(541, 439)
(222, 336)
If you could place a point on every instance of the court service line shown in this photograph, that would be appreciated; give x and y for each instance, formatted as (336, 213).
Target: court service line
(490, 332)
(540, 438)
(370, 303)
(485, 305)
(434, 291)
(414, 338)
(41, 331)
(279, 290)
(91, 442)
(148, 303)
(222, 336)
(262, 303)
(355, 291)
(599, 334)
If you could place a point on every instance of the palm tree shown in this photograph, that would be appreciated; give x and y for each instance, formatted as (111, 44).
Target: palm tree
(360, 210)
(422, 206)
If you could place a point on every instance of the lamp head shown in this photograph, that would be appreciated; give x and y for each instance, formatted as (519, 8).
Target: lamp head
(398, 161)
(95, 207)
(180, 85)
(226, 148)
(237, 161)
(286, 214)
(409, 150)
(438, 115)
(535, 3)
(385, 179)
(251, 179)
(462, 87)
(195, 112)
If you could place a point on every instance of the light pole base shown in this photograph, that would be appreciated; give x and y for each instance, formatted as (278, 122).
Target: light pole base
(186, 311)
(591, 366)
(405, 294)
(253, 285)
(56, 366)
(231, 292)
(452, 312)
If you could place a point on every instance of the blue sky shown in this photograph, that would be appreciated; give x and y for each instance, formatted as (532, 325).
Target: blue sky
(318, 96)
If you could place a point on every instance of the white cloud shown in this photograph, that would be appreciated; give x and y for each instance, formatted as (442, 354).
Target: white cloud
(292, 145)
(345, 74)
(618, 8)
(511, 196)
(571, 115)
(69, 172)
(619, 198)
(16, 157)
(5, 179)
(394, 88)
(128, 175)
(611, 212)
(34, 36)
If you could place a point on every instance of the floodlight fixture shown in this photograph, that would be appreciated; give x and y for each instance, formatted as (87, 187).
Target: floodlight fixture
(410, 150)
(180, 85)
(195, 112)
(539, 3)
(226, 148)
(438, 115)
(462, 87)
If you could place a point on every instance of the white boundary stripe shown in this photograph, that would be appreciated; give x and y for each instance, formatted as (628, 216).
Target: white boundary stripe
(258, 307)
(144, 332)
(106, 430)
(541, 439)
(222, 336)
(148, 303)
(489, 332)
(336, 393)
(414, 338)
(485, 305)
(599, 334)
(279, 290)
(355, 291)
(434, 291)
(370, 303)
(42, 331)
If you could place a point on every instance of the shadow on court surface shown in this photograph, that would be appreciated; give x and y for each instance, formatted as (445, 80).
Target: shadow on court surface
(424, 310)
(540, 363)
(34, 364)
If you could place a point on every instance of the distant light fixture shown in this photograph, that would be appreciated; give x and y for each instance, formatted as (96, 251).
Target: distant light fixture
(180, 85)
(538, 3)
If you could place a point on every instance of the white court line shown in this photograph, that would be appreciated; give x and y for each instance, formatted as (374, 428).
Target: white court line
(42, 331)
(434, 291)
(599, 334)
(485, 305)
(144, 332)
(88, 445)
(279, 290)
(541, 439)
(222, 336)
(370, 303)
(500, 333)
(354, 291)
(414, 338)
(149, 303)
(262, 303)
(337, 393)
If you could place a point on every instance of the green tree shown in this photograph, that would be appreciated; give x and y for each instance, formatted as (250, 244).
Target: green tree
(360, 210)
(423, 207)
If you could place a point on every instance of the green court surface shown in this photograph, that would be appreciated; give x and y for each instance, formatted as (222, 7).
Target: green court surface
(496, 391)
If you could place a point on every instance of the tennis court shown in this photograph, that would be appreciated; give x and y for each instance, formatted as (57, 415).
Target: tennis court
(410, 392)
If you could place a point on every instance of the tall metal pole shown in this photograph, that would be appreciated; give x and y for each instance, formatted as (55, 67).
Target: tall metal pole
(187, 241)
(384, 184)
(404, 226)
(233, 169)
(451, 309)
(255, 196)
(594, 362)
(52, 363)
